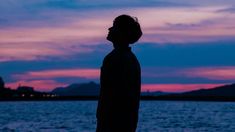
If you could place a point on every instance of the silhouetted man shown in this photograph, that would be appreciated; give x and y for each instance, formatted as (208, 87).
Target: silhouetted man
(1, 83)
(120, 79)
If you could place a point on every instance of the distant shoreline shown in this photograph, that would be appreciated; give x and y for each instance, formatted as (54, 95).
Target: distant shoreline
(160, 98)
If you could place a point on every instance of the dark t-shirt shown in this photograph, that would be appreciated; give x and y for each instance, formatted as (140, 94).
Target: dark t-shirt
(120, 92)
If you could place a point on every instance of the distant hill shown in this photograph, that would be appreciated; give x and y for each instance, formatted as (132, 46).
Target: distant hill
(222, 91)
(91, 89)
(155, 93)
(83, 89)
(226, 92)
(25, 89)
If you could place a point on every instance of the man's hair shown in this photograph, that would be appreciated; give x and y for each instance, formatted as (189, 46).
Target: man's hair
(130, 27)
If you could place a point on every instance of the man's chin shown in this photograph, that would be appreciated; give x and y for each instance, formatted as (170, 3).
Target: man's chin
(109, 39)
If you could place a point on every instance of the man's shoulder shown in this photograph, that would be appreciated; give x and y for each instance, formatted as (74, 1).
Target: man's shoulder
(109, 56)
(120, 57)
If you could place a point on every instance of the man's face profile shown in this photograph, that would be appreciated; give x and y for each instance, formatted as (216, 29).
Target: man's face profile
(114, 33)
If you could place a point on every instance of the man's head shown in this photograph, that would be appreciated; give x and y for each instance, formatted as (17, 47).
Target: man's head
(125, 30)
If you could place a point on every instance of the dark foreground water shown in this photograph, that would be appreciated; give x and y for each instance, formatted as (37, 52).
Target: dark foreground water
(154, 116)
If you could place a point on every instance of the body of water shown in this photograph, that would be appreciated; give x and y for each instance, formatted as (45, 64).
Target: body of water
(154, 116)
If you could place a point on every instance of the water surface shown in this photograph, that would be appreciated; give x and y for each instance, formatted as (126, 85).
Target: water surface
(154, 116)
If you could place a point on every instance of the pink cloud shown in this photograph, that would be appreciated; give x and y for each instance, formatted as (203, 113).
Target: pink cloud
(33, 43)
(203, 24)
(27, 51)
(39, 85)
(176, 87)
(57, 73)
(48, 85)
(217, 73)
(214, 73)
(43, 80)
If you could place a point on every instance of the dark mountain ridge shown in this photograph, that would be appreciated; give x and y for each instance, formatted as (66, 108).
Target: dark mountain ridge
(221, 91)
(83, 89)
(154, 93)
(92, 89)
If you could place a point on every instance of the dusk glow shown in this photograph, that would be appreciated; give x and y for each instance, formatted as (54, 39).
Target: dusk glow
(177, 87)
(41, 85)
(216, 73)
(186, 45)
(49, 74)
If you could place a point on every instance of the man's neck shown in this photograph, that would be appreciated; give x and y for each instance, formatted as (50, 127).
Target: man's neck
(120, 46)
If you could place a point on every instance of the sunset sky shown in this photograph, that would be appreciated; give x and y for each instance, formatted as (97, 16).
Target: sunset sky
(186, 44)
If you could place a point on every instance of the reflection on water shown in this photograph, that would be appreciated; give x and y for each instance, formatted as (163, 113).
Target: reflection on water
(79, 116)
